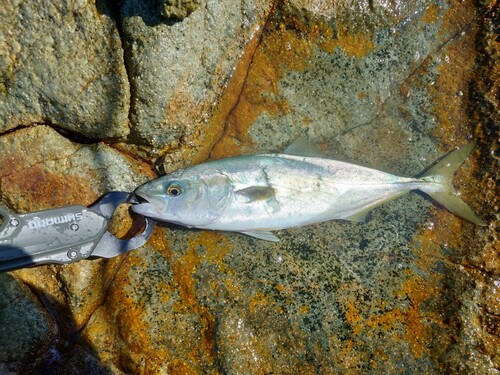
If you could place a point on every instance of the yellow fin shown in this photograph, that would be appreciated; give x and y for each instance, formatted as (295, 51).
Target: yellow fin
(442, 173)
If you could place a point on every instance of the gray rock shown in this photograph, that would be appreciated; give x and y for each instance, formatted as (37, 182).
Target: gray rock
(26, 328)
(350, 71)
(42, 169)
(178, 70)
(62, 64)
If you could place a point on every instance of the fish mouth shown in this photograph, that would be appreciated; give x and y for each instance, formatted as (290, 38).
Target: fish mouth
(147, 206)
(141, 198)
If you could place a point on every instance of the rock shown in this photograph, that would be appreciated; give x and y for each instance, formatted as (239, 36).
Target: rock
(40, 169)
(62, 64)
(178, 71)
(178, 9)
(26, 328)
(325, 71)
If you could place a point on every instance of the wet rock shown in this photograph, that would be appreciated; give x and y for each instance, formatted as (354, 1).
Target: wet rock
(62, 64)
(326, 72)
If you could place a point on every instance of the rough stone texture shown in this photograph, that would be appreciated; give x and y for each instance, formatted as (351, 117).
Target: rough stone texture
(26, 327)
(178, 9)
(386, 84)
(62, 64)
(325, 75)
(178, 71)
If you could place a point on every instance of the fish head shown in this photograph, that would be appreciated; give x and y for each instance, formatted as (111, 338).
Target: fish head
(186, 199)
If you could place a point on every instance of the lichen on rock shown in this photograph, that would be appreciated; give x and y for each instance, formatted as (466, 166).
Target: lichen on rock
(178, 9)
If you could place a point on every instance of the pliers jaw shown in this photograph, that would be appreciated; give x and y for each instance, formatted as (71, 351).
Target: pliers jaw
(66, 234)
(109, 245)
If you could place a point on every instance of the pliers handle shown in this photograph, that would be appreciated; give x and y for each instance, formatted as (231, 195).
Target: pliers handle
(65, 234)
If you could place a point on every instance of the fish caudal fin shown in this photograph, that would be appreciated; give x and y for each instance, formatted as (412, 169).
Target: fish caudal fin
(441, 188)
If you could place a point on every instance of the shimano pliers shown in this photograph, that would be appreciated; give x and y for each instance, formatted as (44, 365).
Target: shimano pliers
(66, 234)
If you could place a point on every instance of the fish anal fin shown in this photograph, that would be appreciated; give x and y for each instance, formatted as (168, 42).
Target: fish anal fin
(256, 193)
(262, 235)
(302, 147)
(358, 217)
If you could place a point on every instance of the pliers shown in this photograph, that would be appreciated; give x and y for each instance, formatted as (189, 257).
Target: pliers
(66, 234)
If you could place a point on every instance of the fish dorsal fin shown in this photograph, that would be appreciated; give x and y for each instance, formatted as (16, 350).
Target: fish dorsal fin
(262, 235)
(302, 147)
(256, 193)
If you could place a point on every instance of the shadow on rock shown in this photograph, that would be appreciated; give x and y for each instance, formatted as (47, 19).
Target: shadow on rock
(152, 12)
(33, 339)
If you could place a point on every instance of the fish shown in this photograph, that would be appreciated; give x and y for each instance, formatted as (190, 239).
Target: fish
(258, 194)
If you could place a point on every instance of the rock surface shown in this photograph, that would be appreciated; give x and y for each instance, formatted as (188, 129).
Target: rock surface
(392, 86)
(62, 64)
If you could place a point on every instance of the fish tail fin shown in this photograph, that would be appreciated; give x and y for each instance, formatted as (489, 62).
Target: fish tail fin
(441, 188)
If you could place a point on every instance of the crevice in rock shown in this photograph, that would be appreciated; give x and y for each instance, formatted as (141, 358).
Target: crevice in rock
(74, 136)
(271, 13)
(112, 10)
(106, 287)
(68, 134)
(68, 344)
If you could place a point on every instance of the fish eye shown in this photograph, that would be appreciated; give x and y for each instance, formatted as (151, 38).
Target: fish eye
(174, 190)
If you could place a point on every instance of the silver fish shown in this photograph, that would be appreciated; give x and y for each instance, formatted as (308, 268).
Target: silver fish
(257, 194)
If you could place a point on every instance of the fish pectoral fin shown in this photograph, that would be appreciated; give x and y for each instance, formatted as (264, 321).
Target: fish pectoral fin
(262, 235)
(302, 147)
(358, 217)
(256, 193)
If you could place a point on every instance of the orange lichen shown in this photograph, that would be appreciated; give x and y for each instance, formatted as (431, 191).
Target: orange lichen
(417, 331)
(284, 45)
(183, 272)
(215, 248)
(37, 188)
(353, 317)
(450, 89)
(277, 52)
(411, 317)
(358, 44)
(456, 16)
(180, 367)
(304, 309)
(210, 247)
(350, 356)
(130, 315)
(233, 91)
(258, 300)
(431, 14)
(233, 287)
(197, 136)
